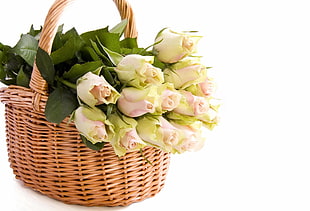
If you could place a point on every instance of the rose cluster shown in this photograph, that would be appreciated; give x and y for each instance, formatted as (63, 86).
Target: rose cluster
(164, 107)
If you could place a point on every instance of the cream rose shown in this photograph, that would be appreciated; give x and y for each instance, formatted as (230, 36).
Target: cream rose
(92, 124)
(173, 46)
(185, 73)
(138, 71)
(95, 90)
(137, 102)
(192, 105)
(157, 131)
(126, 138)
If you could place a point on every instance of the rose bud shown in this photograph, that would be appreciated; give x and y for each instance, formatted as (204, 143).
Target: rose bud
(126, 138)
(185, 73)
(137, 102)
(95, 90)
(158, 132)
(138, 71)
(191, 138)
(92, 124)
(203, 89)
(169, 98)
(173, 46)
(192, 105)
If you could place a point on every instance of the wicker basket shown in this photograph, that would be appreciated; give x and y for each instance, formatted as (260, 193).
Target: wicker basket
(51, 159)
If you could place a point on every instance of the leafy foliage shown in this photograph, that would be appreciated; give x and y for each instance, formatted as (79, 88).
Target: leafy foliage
(72, 56)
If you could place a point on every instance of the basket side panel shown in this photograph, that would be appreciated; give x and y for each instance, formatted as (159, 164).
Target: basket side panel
(51, 159)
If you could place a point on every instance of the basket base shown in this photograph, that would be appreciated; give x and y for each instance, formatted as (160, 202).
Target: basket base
(98, 191)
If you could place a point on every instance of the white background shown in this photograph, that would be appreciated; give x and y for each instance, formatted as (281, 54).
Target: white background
(258, 158)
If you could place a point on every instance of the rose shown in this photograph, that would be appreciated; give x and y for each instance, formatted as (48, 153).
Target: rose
(91, 122)
(186, 72)
(126, 137)
(192, 105)
(136, 102)
(157, 131)
(137, 71)
(169, 98)
(172, 46)
(211, 118)
(204, 89)
(191, 138)
(95, 90)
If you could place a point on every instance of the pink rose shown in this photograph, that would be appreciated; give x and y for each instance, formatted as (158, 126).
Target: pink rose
(207, 87)
(157, 131)
(92, 123)
(136, 102)
(170, 100)
(191, 138)
(95, 90)
(192, 105)
(130, 140)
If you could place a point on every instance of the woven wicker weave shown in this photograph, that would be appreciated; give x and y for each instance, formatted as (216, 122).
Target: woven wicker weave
(51, 159)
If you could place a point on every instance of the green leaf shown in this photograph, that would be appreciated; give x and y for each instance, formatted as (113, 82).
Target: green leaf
(58, 43)
(2, 73)
(45, 66)
(119, 28)
(60, 104)
(108, 76)
(129, 43)
(91, 35)
(114, 57)
(79, 70)
(72, 33)
(22, 79)
(68, 50)
(1, 56)
(105, 59)
(110, 41)
(34, 32)
(26, 48)
(90, 53)
(97, 146)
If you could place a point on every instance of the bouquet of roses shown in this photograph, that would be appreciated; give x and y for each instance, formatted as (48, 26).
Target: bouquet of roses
(118, 93)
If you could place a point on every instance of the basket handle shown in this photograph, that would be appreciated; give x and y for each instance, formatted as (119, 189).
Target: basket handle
(37, 83)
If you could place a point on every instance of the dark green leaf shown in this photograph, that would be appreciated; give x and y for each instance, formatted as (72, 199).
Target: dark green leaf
(110, 41)
(129, 43)
(114, 57)
(2, 72)
(45, 66)
(91, 35)
(107, 74)
(1, 56)
(90, 53)
(60, 104)
(13, 64)
(58, 43)
(79, 70)
(34, 32)
(127, 51)
(70, 34)
(22, 79)
(97, 146)
(67, 51)
(26, 48)
(105, 59)
(119, 28)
